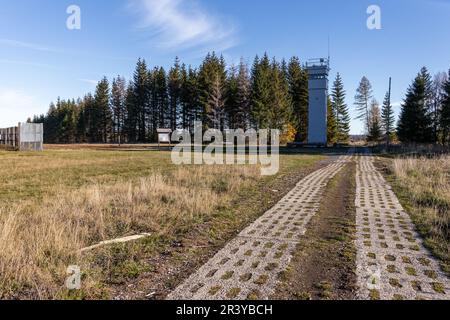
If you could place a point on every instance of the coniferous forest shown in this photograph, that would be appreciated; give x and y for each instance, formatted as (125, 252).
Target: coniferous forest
(267, 94)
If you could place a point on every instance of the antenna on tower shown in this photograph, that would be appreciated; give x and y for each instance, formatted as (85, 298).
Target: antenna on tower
(328, 49)
(329, 54)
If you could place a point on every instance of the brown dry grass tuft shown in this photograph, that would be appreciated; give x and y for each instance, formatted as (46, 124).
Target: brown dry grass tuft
(425, 184)
(39, 239)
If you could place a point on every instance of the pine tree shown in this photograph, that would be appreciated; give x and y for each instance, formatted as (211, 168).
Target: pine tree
(375, 132)
(298, 90)
(332, 126)
(341, 110)
(362, 101)
(445, 112)
(415, 123)
(387, 117)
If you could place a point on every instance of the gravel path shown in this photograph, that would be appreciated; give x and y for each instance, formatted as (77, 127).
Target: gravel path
(248, 267)
(392, 262)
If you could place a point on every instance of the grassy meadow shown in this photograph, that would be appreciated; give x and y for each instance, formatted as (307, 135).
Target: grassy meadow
(54, 203)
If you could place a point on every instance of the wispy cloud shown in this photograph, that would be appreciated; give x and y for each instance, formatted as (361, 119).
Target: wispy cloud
(90, 81)
(183, 24)
(56, 50)
(27, 63)
(28, 45)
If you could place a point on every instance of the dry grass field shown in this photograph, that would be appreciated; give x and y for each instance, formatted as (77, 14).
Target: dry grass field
(53, 204)
(423, 184)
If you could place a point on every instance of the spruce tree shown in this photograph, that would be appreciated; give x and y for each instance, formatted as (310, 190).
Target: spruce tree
(102, 111)
(243, 97)
(262, 89)
(444, 119)
(141, 94)
(174, 87)
(130, 127)
(332, 126)
(216, 104)
(437, 95)
(341, 110)
(415, 123)
(231, 103)
(152, 114)
(193, 109)
(164, 114)
(375, 129)
(211, 78)
(362, 101)
(118, 97)
(279, 110)
(67, 114)
(298, 90)
(387, 117)
(184, 111)
(90, 117)
(83, 121)
(81, 136)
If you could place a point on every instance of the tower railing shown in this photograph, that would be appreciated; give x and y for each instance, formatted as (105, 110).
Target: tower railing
(318, 62)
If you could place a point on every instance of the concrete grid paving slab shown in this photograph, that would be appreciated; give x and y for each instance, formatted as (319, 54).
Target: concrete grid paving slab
(392, 262)
(248, 267)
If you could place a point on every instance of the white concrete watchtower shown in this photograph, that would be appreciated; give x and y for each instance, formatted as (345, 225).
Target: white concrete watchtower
(318, 70)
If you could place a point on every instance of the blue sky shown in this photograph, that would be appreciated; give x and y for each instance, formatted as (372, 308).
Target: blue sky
(40, 59)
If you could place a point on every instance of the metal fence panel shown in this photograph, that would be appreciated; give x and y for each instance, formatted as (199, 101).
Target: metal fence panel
(25, 137)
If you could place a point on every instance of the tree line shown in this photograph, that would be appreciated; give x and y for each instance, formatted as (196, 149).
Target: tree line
(424, 115)
(269, 94)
